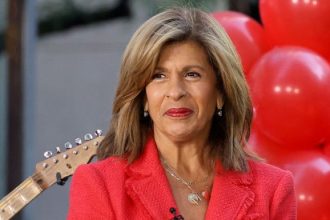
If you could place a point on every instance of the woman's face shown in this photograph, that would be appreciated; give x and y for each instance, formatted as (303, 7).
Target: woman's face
(182, 96)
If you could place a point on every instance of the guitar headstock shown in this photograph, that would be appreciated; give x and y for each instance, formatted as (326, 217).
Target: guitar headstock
(63, 164)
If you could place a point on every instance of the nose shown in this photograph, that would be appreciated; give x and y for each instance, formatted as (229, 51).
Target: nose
(176, 89)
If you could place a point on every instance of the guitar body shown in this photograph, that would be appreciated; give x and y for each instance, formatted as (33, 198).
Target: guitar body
(52, 170)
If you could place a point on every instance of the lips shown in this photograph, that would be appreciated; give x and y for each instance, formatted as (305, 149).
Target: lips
(178, 112)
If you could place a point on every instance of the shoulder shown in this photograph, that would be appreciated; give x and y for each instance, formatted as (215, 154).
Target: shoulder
(91, 184)
(95, 180)
(109, 164)
(276, 186)
(101, 171)
(264, 171)
(269, 178)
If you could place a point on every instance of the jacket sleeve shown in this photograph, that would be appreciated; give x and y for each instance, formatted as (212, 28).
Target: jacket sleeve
(89, 198)
(284, 205)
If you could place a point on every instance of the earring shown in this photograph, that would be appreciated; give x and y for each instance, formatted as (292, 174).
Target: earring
(220, 112)
(145, 114)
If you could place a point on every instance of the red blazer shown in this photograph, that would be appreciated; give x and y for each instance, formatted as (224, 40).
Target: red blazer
(113, 189)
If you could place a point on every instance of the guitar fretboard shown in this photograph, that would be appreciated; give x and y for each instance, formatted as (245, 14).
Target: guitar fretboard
(61, 165)
(18, 198)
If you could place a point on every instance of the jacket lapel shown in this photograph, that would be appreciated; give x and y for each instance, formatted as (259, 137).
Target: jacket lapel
(148, 186)
(231, 195)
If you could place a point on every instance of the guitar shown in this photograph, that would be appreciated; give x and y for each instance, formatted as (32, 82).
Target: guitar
(55, 169)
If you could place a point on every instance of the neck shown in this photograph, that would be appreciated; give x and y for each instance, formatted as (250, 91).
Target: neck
(190, 158)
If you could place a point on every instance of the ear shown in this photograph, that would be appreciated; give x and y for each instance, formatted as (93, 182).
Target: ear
(145, 103)
(146, 106)
(219, 100)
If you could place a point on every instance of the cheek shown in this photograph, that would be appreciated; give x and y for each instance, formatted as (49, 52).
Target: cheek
(207, 98)
(154, 98)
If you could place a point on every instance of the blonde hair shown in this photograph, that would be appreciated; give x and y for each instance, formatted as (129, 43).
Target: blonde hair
(129, 129)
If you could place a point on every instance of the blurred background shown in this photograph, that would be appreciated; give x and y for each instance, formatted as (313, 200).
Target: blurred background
(59, 65)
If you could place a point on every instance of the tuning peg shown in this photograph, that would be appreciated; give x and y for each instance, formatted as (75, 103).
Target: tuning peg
(88, 137)
(48, 154)
(68, 145)
(98, 132)
(58, 150)
(78, 141)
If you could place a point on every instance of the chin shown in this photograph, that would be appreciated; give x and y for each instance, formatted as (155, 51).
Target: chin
(181, 135)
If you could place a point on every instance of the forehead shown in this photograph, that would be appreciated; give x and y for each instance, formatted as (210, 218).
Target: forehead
(183, 53)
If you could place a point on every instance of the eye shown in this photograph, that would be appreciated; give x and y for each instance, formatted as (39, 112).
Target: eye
(193, 74)
(158, 76)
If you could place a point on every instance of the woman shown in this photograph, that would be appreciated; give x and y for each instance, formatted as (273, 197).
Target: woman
(181, 119)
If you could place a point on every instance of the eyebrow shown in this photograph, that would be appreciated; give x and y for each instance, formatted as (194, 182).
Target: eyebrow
(184, 69)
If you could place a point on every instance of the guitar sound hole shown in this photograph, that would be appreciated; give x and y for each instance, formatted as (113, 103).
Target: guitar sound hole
(68, 166)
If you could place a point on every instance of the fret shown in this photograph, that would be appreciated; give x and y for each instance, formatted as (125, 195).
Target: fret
(54, 169)
(18, 198)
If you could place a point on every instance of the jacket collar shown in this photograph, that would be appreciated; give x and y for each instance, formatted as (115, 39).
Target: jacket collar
(147, 184)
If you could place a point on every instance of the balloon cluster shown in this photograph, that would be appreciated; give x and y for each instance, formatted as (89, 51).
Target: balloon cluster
(286, 62)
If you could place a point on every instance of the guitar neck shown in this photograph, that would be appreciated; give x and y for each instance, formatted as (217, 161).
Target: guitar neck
(61, 165)
(19, 197)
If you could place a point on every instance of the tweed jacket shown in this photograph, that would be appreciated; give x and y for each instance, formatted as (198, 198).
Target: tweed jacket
(114, 189)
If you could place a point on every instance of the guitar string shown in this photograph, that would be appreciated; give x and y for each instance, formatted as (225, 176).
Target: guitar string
(35, 177)
(20, 188)
(14, 193)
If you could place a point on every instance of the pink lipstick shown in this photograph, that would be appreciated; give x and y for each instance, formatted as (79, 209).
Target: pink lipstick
(178, 112)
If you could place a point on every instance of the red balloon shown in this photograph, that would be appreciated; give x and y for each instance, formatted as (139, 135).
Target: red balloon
(298, 22)
(311, 173)
(326, 149)
(265, 148)
(291, 94)
(247, 35)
